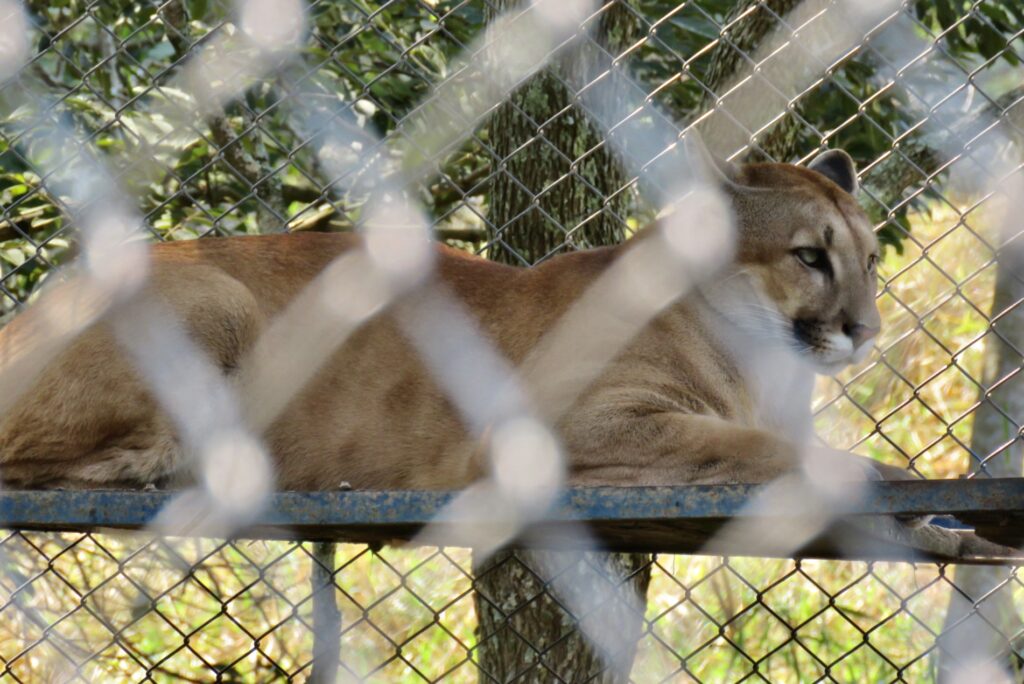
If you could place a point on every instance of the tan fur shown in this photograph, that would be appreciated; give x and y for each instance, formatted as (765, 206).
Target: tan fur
(675, 406)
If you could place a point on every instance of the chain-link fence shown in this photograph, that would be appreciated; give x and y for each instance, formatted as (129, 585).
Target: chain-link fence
(113, 100)
(104, 608)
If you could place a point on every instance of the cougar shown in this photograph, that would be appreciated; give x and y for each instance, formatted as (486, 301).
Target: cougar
(696, 396)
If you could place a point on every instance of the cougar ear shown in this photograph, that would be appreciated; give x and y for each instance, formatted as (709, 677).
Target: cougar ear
(706, 164)
(838, 167)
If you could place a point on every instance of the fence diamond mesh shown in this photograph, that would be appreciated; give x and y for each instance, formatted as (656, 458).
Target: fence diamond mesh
(926, 96)
(92, 607)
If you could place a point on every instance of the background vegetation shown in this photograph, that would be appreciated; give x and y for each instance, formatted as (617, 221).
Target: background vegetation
(110, 607)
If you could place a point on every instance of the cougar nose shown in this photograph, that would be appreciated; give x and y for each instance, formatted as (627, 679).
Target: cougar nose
(859, 333)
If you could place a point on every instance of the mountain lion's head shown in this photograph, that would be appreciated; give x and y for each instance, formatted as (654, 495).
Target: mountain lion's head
(804, 275)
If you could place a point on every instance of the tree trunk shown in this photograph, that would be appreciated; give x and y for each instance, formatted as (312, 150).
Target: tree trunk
(555, 188)
(746, 26)
(982, 621)
(552, 192)
(526, 633)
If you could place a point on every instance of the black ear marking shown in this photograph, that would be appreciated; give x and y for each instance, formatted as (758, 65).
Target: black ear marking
(838, 167)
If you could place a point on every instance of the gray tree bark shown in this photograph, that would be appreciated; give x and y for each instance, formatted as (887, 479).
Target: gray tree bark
(982, 621)
(746, 26)
(555, 189)
(526, 633)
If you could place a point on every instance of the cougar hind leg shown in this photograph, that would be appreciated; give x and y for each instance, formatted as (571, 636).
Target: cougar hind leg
(90, 420)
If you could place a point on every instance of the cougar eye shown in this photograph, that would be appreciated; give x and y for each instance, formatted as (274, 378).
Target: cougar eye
(872, 262)
(813, 257)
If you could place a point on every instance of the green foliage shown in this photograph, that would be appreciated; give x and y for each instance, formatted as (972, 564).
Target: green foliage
(108, 70)
(972, 27)
(676, 51)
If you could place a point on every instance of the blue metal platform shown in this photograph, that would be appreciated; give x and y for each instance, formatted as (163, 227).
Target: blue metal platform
(658, 519)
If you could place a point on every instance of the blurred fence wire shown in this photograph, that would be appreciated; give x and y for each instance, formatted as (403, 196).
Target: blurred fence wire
(517, 131)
